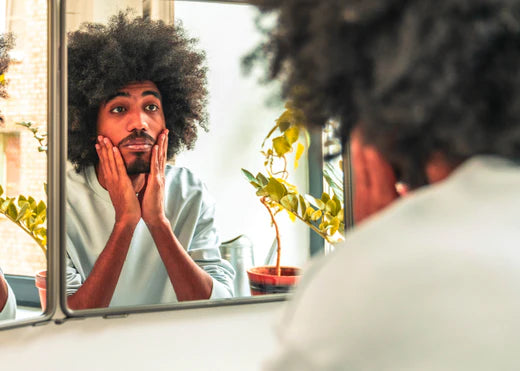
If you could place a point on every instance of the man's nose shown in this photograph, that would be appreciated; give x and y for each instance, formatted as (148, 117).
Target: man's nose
(137, 121)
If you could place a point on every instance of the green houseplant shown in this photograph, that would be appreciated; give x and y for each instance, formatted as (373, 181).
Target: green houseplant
(28, 213)
(323, 215)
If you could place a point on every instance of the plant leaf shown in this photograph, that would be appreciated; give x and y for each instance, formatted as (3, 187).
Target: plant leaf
(41, 207)
(316, 215)
(21, 212)
(12, 212)
(290, 202)
(250, 177)
(281, 146)
(262, 179)
(275, 189)
(5, 205)
(292, 134)
(285, 120)
(330, 207)
(300, 148)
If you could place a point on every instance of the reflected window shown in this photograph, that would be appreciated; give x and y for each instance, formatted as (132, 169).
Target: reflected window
(23, 166)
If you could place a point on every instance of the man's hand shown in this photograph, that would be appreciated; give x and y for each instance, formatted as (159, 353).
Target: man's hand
(117, 182)
(374, 179)
(153, 199)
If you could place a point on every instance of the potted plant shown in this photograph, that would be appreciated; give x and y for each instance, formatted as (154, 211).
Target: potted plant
(324, 215)
(30, 215)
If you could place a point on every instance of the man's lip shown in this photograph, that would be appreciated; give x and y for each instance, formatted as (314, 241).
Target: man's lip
(137, 145)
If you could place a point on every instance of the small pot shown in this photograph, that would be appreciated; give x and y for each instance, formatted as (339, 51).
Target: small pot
(263, 280)
(41, 284)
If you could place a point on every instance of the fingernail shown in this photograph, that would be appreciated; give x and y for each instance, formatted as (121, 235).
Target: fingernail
(105, 140)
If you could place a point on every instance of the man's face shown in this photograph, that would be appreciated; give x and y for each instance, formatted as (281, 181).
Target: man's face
(133, 119)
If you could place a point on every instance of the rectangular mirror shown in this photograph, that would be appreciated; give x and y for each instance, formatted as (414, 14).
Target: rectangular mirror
(27, 73)
(214, 212)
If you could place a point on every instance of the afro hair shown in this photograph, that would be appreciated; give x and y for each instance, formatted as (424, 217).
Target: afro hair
(105, 58)
(419, 77)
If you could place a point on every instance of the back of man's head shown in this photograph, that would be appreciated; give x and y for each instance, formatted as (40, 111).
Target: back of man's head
(419, 77)
(105, 58)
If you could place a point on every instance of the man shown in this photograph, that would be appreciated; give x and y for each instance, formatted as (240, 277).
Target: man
(139, 231)
(428, 94)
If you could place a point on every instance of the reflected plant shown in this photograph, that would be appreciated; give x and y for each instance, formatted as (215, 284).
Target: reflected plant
(27, 213)
(323, 215)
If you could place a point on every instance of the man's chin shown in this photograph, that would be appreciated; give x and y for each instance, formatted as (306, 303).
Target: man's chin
(138, 167)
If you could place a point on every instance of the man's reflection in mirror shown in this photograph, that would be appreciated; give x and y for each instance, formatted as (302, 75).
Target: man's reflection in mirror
(7, 300)
(139, 230)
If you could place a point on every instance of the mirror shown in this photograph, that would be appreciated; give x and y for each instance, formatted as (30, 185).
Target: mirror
(215, 198)
(23, 160)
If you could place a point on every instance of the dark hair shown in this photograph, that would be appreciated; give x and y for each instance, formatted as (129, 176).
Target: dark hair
(419, 77)
(103, 59)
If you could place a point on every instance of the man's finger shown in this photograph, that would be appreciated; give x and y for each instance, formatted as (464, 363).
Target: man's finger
(110, 157)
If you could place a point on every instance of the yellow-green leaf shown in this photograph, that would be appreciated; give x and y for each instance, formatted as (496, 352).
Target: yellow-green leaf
(300, 148)
(303, 205)
(275, 189)
(281, 146)
(5, 205)
(290, 202)
(41, 207)
(325, 197)
(308, 213)
(292, 134)
(316, 215)
(330, 207)
(284, 121)
(1, 190)
(269, 134)
(11, 211)
(251, 178)
(262, 179)
(22, 211)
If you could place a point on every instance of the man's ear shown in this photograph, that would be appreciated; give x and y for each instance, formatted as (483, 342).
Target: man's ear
(402, 189)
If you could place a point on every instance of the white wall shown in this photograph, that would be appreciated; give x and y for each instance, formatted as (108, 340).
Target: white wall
(239, 120)
(223, 338)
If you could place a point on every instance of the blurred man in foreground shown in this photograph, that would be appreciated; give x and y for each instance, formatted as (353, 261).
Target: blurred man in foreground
(427, 94)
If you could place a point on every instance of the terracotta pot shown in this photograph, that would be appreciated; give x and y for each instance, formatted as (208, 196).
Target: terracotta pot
(41, 284)
(263, 280)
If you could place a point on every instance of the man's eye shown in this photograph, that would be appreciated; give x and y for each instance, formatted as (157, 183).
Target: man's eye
(118, 109)
(152, 107)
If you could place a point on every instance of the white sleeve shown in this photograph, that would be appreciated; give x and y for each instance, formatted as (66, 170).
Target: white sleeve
(73, 278)
(204, 250)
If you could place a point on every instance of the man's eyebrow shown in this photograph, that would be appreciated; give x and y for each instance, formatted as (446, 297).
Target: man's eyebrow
(151, 92)
(118, 94)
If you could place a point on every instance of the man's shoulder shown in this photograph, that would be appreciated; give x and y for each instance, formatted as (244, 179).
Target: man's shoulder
(179, 176)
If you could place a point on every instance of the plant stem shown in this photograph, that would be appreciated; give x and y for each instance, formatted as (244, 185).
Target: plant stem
(278, 247)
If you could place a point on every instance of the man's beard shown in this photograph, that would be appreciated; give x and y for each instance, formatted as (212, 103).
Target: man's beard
(138, 166)
(141, 163)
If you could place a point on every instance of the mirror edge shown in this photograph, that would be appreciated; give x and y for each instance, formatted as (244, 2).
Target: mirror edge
(53, 174)
(119, 311)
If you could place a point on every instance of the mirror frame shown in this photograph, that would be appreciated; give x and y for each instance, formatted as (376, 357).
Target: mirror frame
(54, 198)
(121, 311)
